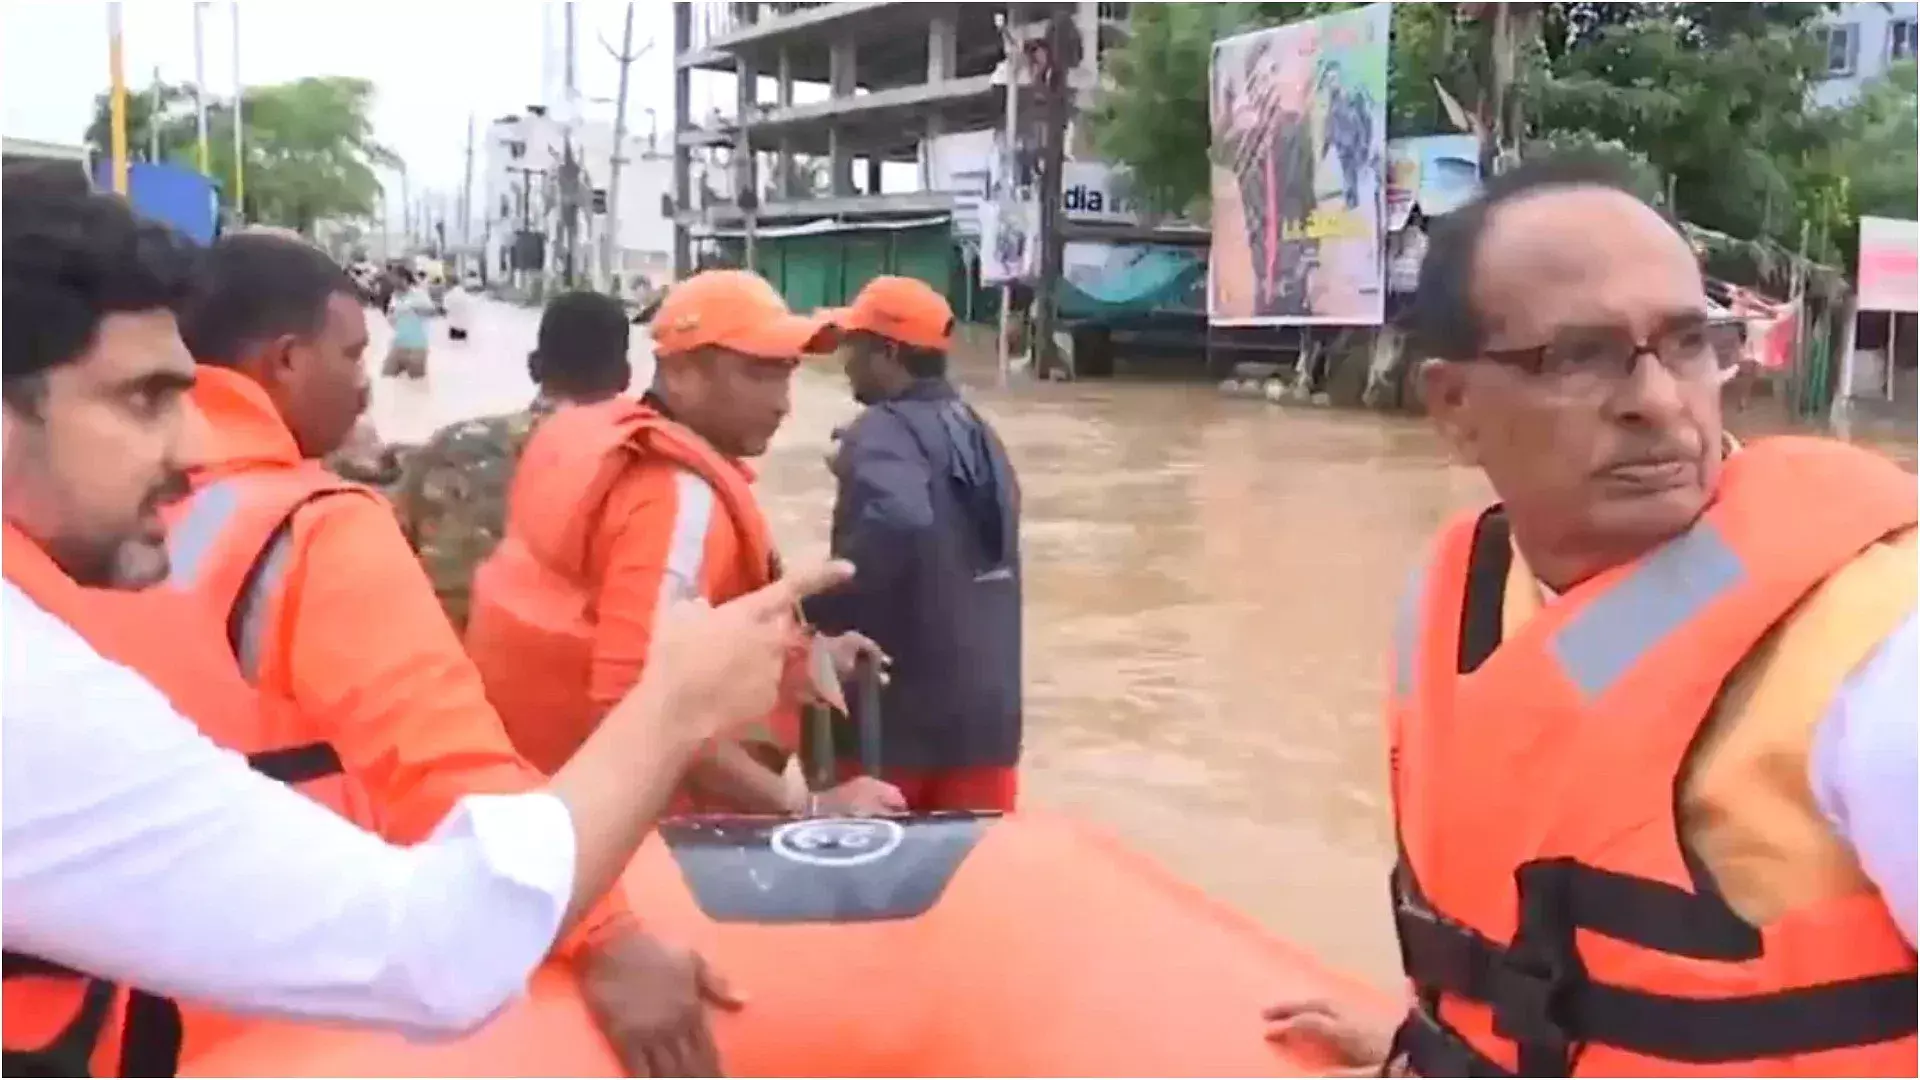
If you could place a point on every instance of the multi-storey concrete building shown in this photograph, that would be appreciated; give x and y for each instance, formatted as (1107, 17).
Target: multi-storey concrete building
(840, 116)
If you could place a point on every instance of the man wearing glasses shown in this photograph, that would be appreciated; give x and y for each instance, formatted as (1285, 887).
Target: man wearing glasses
(1652, 714)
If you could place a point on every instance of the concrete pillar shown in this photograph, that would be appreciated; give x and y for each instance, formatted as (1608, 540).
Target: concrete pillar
(839, 163)
(841, 68)
(747, 81)
(787, 181)
(682, 157)
(841, 80)
(1086, 18)
(943, 41)
(783, 165)
(930, 152)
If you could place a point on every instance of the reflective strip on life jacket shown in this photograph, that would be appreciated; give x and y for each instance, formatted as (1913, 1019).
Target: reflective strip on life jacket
(1612, 948)
(687, 548)
(123, 627)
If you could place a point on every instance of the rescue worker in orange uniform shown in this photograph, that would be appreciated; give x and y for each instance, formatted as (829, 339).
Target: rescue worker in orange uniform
(621, 506)
(369, 701)
(1652, 714)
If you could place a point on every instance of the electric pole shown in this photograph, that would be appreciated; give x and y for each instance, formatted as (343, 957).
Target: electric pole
(466, 195)
(406, 207)
(200, 87)
(239, 129)
(117, 98)
(153, 121)
(1008, 197)
(610, 259)
(1055, 89)
(569, 164)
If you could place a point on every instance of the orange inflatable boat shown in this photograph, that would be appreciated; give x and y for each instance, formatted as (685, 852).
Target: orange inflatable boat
(950, 945)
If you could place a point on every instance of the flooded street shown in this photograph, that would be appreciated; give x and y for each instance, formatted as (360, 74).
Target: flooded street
(1210, 583)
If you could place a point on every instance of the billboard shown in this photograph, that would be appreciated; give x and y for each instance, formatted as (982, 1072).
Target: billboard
(1889, 264)
(1299, 162)
(1437, 173)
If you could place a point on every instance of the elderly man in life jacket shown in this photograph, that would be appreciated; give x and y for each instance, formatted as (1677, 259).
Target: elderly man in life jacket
(371, 703)
(1652, 714)
(621, 507)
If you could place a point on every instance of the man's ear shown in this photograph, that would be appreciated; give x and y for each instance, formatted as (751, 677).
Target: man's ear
(279, 357)
(1446, 392)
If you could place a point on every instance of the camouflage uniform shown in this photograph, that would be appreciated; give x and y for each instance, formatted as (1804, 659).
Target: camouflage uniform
(364, 459)
(452, 499)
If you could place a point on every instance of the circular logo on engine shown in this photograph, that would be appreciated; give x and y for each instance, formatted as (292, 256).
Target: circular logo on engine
(837, 841)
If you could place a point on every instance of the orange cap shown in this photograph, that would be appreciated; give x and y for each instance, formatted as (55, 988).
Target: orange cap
(901, 309)
(736, 310)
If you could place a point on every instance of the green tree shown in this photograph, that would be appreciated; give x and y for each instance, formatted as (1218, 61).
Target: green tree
(1714, 96)
(1877, 146)
(1153, 116)
(310, 150)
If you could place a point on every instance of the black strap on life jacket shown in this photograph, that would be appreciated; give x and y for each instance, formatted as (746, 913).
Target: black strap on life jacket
(149, 1040)
(1537, 986)
(1545, 1003)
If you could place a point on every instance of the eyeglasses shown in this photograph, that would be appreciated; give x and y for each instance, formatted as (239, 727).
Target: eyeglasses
(1607, 356)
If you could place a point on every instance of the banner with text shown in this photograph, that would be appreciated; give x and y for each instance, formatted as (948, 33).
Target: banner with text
(1889, 264)
(1299, 173)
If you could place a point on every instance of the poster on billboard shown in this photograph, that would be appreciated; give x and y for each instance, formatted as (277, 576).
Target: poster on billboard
(1299, 173)
(1009, 242)
(1437, 173)
(1889, 264)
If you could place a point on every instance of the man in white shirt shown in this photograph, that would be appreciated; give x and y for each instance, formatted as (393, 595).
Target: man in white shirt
(139, 853)
(460, 299)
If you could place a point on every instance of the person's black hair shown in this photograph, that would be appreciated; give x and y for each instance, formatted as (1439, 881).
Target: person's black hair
(1443, 321)
(582, 349)
(253, 287)
(73, 257)
(47, 175)
(921, 363)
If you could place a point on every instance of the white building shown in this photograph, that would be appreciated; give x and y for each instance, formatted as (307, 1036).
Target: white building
(1862, 40)
(520, 168)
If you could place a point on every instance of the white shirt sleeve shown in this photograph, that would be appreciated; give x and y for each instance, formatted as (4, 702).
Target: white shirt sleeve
(1865, 769)
(139, 851)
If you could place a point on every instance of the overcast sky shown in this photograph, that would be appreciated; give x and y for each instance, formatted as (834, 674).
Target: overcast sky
(433, 63)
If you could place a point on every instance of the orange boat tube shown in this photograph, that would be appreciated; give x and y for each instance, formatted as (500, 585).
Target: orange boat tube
(949, 945)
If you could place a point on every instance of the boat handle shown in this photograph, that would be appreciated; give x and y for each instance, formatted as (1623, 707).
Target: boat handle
(866, 680)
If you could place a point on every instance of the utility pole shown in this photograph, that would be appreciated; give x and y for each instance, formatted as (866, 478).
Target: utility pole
(1008, 197)
(569, 163)
(1052, 243)
(153, 120)
(527, 174)
(610, 260)
(406, 207)
(117, 97)
(200, 87)
(466, 195)
(239, 128)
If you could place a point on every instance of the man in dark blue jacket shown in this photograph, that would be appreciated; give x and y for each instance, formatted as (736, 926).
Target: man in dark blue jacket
(929, 508)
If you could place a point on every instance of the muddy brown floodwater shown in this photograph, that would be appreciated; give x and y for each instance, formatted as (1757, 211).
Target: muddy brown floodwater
(1210, 583)
(1209, 588)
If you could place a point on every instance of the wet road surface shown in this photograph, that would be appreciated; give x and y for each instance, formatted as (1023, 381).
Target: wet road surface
(1210, 583)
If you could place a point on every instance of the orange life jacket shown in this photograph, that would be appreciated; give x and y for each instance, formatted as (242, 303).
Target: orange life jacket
(530, 625)
(197, 637)
(1550, 920)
